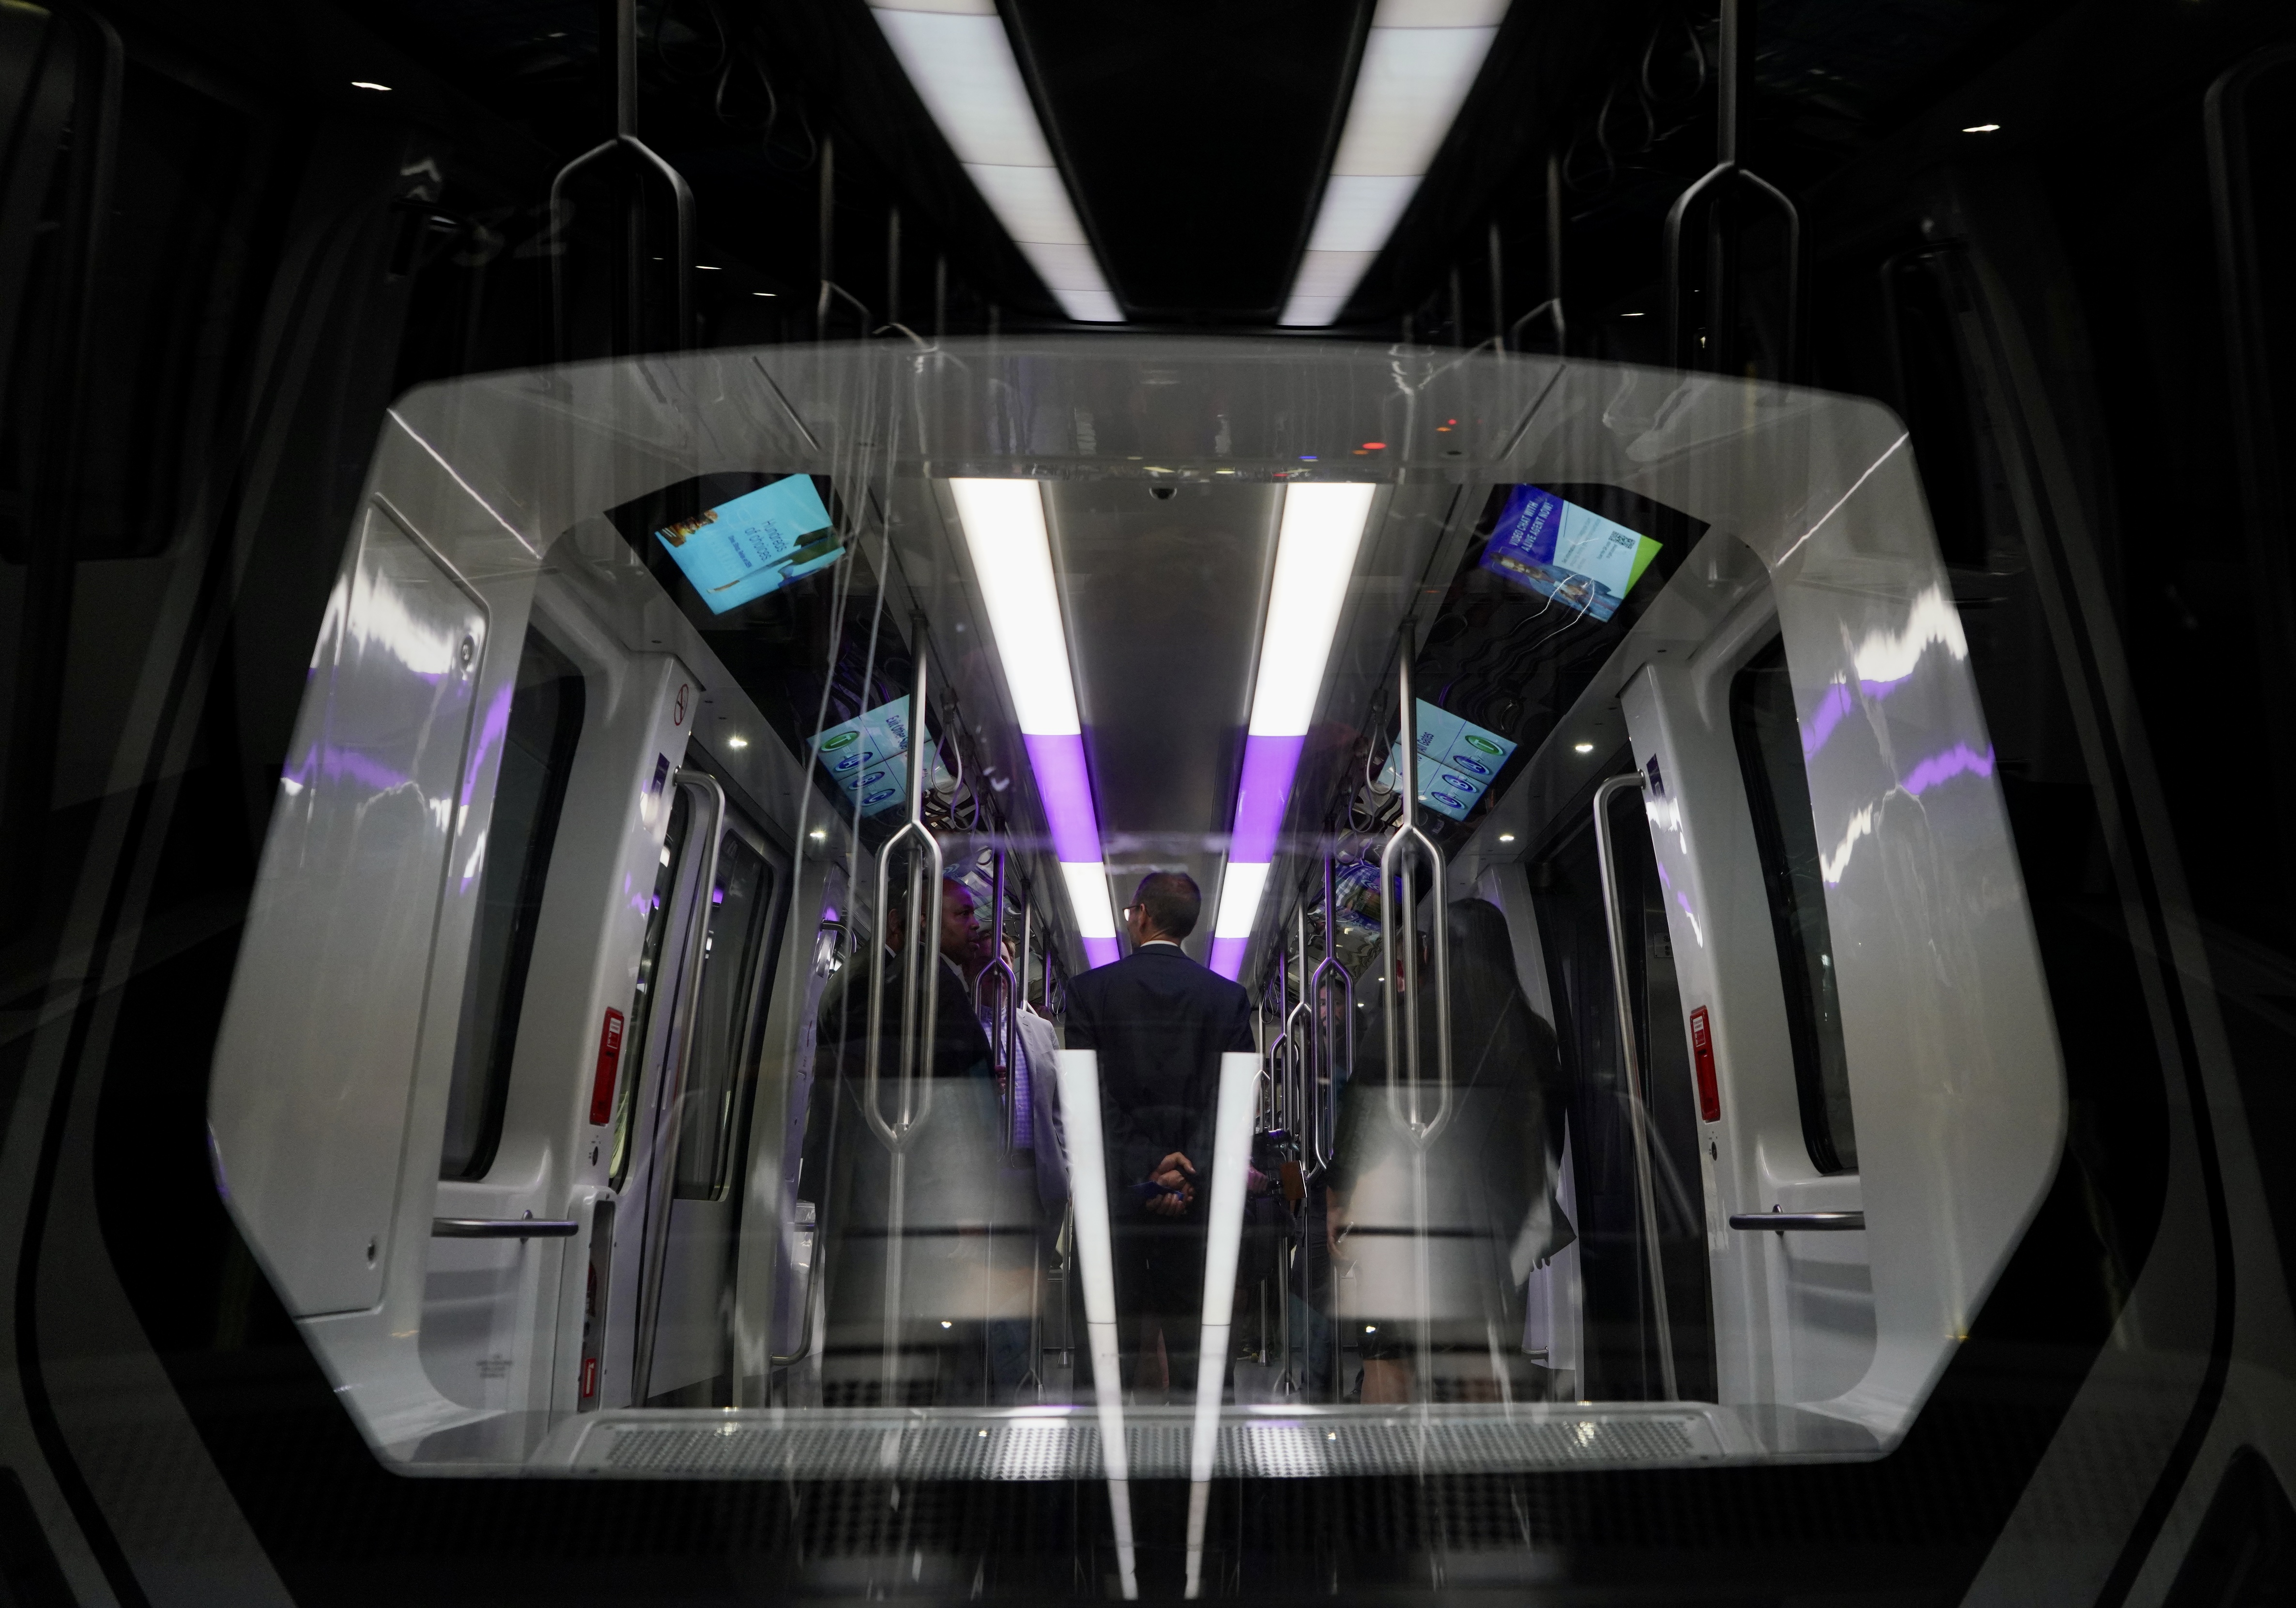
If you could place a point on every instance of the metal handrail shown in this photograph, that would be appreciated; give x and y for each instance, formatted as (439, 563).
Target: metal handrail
(1729, 170)
(920, 973)
(625, 139)
(669, 1111)
(1002, 1036)
(916, 1049)
(1401, 914)
(1300, 1027)
(1335, 1038)
(1779, 1222)
(1637, 1103)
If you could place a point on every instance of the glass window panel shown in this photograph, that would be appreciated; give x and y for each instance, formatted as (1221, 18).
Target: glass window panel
(1769, 750)
(545, 722)
(650, 979)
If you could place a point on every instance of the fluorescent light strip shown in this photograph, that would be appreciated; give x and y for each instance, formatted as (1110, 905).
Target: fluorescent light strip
(956, 55)
(1003, 526)
(1419, 61)
(1011, 552)
(1316, 549)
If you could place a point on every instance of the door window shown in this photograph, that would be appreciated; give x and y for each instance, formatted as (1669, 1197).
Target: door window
(1777, 788)
(652, 979)
(545, 721)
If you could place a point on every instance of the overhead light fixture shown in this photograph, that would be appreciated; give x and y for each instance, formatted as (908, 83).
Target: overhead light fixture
(762, 292)
(1631, 315)
(1984, 128)
(737, 743)
(957, 56)
(1003, 525)
(1419, 60)
(1507, 837)
(362, 84)
(1582, 748)
(1315, 548)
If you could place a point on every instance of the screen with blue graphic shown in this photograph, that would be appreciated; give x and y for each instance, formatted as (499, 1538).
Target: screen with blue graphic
(756, 544)
(1566, 553)
(868, 756)
(1459, 761)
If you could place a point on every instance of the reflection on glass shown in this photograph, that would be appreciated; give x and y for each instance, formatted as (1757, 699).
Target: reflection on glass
(1770, 747)
(650, 978)
(1435, 1260)
(545, 721)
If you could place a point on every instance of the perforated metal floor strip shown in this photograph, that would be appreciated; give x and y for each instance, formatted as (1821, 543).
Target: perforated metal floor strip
(1068, 1448)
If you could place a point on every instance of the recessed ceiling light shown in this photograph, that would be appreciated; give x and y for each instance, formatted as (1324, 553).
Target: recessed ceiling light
(1582, 748)
(1507, 837)
(362, 84)
(760, 293)
(1984, 128)
(737, 743)
(819, 832)
(1631, 315)
(708, 267)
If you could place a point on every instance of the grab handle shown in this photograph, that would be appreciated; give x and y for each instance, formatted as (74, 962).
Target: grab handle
(1401, 914)
(920, 961)
(625, 140)
(1332, 986)
(1637, 1105)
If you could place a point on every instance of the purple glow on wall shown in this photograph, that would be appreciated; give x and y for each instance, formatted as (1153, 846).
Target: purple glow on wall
(1066, 788)
(1102, 951)
(1825, 718)
(1227, 956)
(1269, 764)
(1960, 759)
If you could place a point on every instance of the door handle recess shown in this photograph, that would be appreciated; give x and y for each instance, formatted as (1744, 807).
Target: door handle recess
(503, 1228)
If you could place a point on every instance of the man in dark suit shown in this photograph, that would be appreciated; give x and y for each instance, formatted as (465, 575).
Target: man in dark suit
(1160, 1024)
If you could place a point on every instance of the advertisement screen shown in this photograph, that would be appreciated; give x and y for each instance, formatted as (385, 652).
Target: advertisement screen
(1571, 555)
(868, 758)
(1459, 761)
(756, 544)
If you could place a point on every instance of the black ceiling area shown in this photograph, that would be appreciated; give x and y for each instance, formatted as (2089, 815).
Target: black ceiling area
(1193, 137)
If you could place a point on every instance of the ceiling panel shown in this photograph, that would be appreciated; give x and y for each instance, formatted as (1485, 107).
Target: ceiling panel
(1163, 599)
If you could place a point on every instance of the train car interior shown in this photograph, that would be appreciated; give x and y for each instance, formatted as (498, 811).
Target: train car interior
(624, 622)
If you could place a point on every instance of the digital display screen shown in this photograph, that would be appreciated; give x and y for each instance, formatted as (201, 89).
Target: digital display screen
(1459, 761)
(758, 543)
(1571, 555)
(868, 756)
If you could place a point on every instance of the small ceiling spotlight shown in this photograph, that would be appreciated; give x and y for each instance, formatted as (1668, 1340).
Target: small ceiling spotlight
(1507, 837)
(737, 743)
(1983, 128)
(362, 84)
(1582, 748)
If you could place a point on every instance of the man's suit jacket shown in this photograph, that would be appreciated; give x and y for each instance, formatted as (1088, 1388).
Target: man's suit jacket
(1161, 1023)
